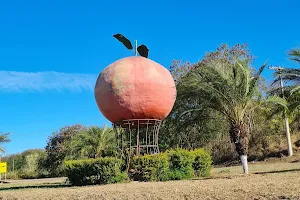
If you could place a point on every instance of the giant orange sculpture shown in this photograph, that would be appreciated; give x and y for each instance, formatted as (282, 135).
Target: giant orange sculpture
(135, 88)
(135, 94)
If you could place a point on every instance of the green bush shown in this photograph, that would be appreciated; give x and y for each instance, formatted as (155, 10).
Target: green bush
(181, 164)
(174, 164)
(95, 171)
(23, 174)
(11, 175)
(150, 167)
(202, 163)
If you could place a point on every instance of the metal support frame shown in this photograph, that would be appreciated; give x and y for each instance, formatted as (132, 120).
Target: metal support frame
(139, 136)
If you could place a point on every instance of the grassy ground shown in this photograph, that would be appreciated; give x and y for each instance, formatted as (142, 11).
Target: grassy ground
(270, 180)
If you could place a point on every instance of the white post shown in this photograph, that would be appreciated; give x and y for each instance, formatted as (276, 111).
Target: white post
(288, 135)
(286, 123)
(244, 163)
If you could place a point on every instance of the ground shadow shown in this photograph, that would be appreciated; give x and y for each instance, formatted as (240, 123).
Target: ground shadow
(278, 171)
(35, 186)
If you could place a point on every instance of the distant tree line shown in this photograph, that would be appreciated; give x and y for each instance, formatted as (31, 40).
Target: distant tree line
(70, 142)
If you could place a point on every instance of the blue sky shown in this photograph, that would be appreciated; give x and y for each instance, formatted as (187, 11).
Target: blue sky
(52, 51)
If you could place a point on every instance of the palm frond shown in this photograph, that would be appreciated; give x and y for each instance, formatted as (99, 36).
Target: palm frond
(287, 75)
(2, 150)
(294, 89)
(295, 55)
(277, 101)
(91, 142)
(225, 87)
(4, 137)
(254, 81)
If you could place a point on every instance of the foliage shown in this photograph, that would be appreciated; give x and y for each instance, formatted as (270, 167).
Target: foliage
(265, 133)
(267, 138)
(295, 54)
(12, 175)
(94, 142)
(286, 104)
(153, 167)
(200, 128)
(25, 164)
(30, 169)
(4, 138)
(290, 74)
(202, 162)
(224, 54)
(58, 148)
(174, 164)
(190, 131)
(228, 89)
(76, 142)
(217, 95)
(222, 150)
(181, 164)
(95, 171)
(72, 142)
(15, 162)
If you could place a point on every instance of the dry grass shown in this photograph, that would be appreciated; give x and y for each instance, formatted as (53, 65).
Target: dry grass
(266, 181)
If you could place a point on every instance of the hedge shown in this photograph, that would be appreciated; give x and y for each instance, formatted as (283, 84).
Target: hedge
(174, 164)
(202, 163)
(181, 164)
(150, 168)
(95, 171)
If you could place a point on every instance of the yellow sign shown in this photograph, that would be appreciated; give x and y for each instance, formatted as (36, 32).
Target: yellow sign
(3, 167)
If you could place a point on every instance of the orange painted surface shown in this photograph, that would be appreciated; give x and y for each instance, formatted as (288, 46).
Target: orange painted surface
(135, 88)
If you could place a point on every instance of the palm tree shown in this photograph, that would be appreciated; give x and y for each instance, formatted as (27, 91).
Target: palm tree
(93, 142)
(4, 137)
(230, 89)
(286, 101)
(287, 97)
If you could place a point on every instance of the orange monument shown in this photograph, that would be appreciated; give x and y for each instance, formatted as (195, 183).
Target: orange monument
(135, 88)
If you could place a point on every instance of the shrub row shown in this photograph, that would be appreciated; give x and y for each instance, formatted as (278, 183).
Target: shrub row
(150, 168)
(175, 164)
(95, 171)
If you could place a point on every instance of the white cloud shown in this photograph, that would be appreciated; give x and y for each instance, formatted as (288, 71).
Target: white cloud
(13, 81)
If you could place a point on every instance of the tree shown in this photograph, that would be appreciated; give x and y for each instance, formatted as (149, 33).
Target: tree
(287, 97)
(197, 129)
(229, 87)
(58, 148)
(4, 138)
(25, 164)
(286, 101)
(94, 142)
